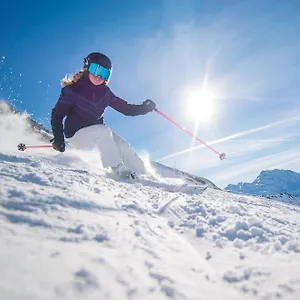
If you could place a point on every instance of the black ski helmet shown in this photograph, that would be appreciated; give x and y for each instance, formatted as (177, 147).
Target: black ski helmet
(98, 58)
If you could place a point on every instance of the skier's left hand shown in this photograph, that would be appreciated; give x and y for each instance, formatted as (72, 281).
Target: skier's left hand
(149, 105)
(58, 144)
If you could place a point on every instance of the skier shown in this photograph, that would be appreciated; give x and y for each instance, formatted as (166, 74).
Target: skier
(82, 101)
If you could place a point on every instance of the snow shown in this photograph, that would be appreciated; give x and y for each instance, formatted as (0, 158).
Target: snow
(71, 230)
(270, 183)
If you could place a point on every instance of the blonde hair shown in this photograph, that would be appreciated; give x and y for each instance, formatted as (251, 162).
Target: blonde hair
(68, 80)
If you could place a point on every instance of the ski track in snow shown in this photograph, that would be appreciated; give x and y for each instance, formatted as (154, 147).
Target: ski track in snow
(70, 232)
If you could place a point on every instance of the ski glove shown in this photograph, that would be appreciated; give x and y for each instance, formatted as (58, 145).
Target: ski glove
(58, 144)
(148, 106)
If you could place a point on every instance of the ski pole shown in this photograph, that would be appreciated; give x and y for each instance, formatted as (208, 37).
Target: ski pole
(23, 147)
(221, 155)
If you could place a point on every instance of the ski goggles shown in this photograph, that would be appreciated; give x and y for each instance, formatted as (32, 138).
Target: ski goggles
(98, 70)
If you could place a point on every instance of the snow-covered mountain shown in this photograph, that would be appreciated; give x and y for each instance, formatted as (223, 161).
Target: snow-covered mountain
(270, 183)
(71, 230)
(285, 198)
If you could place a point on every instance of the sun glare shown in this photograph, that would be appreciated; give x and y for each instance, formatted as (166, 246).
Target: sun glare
(200, 105)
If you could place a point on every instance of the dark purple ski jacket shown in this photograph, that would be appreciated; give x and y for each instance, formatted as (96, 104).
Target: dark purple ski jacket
(83, 104)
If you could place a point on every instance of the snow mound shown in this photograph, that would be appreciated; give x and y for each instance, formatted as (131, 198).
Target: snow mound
(83, 233)
(77, 234)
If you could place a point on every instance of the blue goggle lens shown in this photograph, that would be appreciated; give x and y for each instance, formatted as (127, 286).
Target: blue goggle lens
(98, 70)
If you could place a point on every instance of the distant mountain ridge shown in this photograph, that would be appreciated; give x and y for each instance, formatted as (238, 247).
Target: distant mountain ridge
(270, 183)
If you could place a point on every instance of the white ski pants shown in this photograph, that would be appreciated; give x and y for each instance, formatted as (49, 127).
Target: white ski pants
(113, 149)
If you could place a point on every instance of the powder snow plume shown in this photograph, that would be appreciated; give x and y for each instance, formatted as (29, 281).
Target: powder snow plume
(69, 230)
(14, 128)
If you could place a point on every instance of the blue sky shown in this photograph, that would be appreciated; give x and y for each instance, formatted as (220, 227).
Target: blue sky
(245, 52)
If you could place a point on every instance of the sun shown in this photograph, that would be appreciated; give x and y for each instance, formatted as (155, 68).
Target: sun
(200, 104)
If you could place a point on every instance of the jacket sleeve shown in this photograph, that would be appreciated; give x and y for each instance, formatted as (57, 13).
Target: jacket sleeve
(60, 110)
(125, 108)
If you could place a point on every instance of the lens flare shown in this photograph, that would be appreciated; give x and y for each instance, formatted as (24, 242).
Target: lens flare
(201, 105)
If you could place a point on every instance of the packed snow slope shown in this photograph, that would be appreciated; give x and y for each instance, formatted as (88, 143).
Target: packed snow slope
(71, 230)
(270, 183)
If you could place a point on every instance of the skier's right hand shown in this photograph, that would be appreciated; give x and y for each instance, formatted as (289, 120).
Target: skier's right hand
(58, 144)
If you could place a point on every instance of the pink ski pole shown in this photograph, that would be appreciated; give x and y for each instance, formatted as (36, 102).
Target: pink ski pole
(221, 155)
(23, 147)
